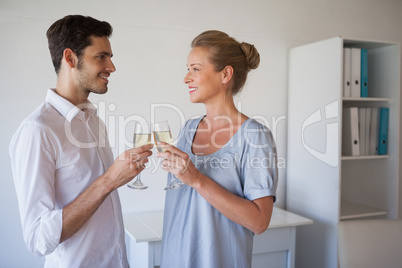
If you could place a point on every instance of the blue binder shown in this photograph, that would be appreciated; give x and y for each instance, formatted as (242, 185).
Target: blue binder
(363, 74)
(383, 131)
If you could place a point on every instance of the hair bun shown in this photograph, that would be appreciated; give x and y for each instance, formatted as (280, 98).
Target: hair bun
(252, 55)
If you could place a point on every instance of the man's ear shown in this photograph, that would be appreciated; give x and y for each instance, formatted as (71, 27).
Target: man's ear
(69, 57)
(227, 74)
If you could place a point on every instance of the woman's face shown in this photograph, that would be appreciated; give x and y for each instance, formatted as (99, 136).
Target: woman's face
(204, 83)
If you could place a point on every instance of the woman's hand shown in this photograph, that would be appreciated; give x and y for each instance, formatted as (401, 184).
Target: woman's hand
(179, 164)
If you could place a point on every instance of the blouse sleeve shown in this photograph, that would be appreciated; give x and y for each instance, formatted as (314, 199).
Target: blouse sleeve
(260, 163)
(33, 165)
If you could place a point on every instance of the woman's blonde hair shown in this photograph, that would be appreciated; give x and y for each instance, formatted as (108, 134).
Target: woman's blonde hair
(225, 50)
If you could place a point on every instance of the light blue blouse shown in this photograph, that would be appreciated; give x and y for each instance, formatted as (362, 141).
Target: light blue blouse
(195, 234)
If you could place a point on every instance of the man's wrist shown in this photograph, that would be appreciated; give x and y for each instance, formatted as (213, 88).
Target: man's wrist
(105, 183)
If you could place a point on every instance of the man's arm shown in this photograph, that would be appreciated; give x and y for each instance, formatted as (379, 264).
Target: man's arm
(124, 169)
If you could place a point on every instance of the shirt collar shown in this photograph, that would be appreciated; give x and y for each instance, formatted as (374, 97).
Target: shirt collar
(66, 108)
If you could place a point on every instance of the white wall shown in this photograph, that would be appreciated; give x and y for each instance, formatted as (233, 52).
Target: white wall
(151, 41)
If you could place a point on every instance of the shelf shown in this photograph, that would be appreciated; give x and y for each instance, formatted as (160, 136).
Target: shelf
(351, 210)
(364, 157)
(366, 99)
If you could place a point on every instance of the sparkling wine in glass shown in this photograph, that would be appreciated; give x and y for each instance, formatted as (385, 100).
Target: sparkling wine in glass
(142, 136)
(162, 132)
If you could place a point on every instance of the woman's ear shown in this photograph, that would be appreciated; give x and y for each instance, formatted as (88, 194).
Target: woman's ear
(227, 74)
(69, 57)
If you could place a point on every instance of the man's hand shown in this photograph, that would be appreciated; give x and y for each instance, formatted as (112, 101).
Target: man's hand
(128, 165)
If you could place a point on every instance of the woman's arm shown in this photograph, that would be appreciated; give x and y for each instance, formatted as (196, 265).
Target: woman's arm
(255, 215)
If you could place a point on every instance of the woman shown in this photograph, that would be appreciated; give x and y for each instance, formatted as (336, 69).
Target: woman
(227, 161)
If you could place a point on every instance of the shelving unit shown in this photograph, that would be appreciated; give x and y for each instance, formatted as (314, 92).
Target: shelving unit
(322, 184)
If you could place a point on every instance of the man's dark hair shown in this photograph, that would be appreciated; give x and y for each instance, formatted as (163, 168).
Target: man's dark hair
(74, 32)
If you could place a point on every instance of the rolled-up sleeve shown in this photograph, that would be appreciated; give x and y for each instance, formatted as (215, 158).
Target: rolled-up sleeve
(33, 164)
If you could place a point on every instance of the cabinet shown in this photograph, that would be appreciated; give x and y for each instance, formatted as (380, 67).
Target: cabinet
(321, 183)
(144, 239)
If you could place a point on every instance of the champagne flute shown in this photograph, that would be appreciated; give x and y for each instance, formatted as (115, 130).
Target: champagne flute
(142, 136)
(162, 132)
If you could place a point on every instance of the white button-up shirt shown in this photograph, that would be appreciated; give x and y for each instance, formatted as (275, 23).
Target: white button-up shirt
(57, 152)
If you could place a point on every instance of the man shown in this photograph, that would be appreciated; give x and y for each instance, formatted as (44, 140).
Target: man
(64, 173)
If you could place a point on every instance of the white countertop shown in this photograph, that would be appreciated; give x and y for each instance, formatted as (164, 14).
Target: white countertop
(148, 226)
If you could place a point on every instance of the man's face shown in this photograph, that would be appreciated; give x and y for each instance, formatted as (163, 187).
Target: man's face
(95, 66)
